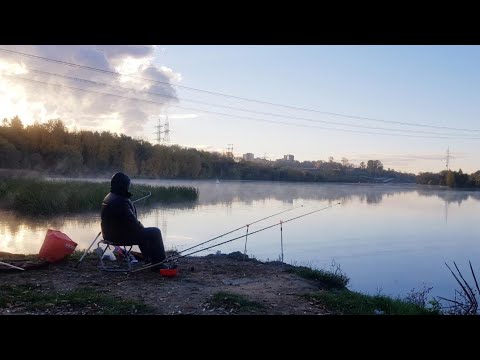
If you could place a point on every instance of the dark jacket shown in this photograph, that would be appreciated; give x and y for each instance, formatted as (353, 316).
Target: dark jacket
(119, 215)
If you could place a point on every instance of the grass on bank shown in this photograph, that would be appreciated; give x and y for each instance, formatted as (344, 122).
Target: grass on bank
(349, 302)
(328, 279)
(83, 300)
(228, 300)
(42, 197)
(337, 298)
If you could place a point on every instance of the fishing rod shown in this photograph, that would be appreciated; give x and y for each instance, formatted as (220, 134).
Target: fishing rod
(239, 237)
(86, 251)
(146, 196)
(222, 235)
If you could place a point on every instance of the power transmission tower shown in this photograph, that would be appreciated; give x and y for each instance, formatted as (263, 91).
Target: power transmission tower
(230, 150)
(166, 132)
(158, 133)
(163, 136)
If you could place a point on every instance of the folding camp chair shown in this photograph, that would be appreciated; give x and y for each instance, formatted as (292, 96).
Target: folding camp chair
(103, 245)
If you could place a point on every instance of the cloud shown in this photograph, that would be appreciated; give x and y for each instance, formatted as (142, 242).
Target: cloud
(163, 80)
(41, 102)
(11, 68)
(171, 74)
(136, 51)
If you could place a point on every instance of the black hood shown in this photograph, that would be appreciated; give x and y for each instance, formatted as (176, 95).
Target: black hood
(120, 184)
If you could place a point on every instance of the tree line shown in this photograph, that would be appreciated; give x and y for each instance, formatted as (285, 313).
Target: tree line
(450, 178)
(50, 147)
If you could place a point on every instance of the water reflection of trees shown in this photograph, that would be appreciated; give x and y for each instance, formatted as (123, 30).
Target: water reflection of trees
(249, 192)
(450, 196)
(289, 192)
(13, 222)
(228, 193)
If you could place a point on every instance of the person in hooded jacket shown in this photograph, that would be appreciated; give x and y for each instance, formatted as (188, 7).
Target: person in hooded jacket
(120, 225)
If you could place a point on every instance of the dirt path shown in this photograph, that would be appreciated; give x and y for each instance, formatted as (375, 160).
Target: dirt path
(190, 292)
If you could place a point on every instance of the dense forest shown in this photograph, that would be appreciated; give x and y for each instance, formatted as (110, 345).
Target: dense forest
(51, 148)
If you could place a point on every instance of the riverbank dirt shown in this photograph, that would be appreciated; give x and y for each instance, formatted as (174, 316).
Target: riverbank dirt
(199, 288)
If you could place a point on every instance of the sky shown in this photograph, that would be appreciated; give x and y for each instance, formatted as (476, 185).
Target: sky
(402, 105)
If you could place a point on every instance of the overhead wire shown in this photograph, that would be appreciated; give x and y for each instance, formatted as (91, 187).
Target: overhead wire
(235, 108)
(91, 68)
(246, 117)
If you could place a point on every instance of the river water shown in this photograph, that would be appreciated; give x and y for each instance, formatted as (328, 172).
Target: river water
(386, 238)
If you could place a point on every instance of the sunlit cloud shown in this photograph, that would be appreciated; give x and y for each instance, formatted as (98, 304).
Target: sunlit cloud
(12, 68)
(171, 74)
(38, 101)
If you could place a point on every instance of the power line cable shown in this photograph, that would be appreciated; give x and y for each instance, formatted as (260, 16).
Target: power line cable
(236, 108)
(233, 96)
(244, 117)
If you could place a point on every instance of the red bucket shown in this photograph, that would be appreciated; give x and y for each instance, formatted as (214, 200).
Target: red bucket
(56, 246)
(168, 272)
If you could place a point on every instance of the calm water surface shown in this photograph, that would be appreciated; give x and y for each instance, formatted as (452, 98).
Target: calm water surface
(388, 238)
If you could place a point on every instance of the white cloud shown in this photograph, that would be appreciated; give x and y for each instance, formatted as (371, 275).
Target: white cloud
(11, 68)
(38, 101)
(171, 74)
(132, 66)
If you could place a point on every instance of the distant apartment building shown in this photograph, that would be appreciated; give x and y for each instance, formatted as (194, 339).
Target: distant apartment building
(248, 157)
(288, 157)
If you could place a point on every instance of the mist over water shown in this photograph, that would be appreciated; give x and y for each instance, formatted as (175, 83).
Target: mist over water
(388, 238)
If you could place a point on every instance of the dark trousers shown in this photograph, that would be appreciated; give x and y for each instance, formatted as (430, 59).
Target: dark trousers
(150, 242)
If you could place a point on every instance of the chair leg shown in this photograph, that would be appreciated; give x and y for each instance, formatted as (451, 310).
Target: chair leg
(100, 263)
(126, 257)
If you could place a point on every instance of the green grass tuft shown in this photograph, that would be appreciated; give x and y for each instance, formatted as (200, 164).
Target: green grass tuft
(328, 279)
(83, 300)
(354, 303)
